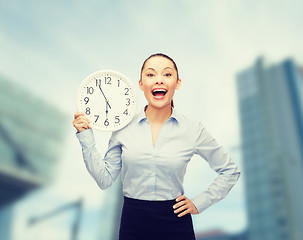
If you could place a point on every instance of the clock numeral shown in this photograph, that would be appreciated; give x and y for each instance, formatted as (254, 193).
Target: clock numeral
(126, 91)
(98, 82)
(107, 80)
(127, 101)
(117, 119)
(87, 112)
(86, 100)
(118, 82)
(90, 90)
(97, 117)
(125, 112)
(106, 122)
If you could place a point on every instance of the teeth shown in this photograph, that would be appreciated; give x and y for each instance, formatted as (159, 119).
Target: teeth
(155, 91)
(160, 90)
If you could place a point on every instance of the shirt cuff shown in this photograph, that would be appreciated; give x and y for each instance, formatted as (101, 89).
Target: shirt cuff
(86, 137)
(202, 202)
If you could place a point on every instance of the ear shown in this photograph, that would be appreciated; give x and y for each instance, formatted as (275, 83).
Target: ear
(178, 84)
(141, 85)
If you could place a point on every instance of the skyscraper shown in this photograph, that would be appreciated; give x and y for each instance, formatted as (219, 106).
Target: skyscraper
(271, 113)
(30, 145)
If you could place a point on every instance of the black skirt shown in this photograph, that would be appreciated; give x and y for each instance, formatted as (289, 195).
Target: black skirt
(156, 220)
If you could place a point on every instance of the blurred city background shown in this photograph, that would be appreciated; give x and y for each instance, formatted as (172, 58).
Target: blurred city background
(241, 65)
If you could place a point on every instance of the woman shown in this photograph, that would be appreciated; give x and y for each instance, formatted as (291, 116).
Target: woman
(152, 154)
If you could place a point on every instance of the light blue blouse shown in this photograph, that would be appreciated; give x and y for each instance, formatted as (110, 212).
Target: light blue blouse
(157, 173)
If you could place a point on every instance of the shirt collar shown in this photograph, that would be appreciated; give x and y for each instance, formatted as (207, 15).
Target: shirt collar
(174, 116)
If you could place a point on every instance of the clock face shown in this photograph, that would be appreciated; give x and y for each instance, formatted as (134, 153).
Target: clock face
(108, 99)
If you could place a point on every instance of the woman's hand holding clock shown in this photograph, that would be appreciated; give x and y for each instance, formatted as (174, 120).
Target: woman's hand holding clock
(81, 122)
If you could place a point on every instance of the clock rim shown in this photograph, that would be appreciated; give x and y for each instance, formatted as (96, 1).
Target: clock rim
(128, 81)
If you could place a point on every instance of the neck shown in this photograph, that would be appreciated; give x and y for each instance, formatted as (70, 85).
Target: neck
(158, 115)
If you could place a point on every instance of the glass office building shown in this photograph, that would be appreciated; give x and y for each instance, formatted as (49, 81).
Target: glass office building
(30, 144)
(271, 110)
(111, 212)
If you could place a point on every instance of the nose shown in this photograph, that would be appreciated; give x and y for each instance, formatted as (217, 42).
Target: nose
(159, 80)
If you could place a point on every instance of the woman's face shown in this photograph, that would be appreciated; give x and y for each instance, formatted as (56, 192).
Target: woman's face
(159, 81)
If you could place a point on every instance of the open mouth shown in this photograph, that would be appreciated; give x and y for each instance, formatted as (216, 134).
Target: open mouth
(159, 92)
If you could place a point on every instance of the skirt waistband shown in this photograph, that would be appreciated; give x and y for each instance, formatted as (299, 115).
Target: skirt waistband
(154, 204)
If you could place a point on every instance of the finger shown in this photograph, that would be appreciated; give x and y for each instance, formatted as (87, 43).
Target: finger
(81, 120)
(179, 199)
(180, 209)
(85, 125)
(179, 204)
(82, 116)
(77, 114)
(182, 197)
(183, 213)
(82, 126)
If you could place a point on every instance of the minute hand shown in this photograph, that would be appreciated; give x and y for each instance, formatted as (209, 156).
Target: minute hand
(104, 97)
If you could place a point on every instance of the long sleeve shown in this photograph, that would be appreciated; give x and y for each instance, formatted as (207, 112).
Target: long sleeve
(227, 170)
(103, 170)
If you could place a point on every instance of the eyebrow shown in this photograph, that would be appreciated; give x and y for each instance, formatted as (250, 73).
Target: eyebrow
(155, 70)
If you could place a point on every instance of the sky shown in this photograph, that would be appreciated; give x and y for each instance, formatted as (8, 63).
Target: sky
(49, 47)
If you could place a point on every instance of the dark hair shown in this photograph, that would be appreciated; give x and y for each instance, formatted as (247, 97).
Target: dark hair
(165, 56)
(160, 55)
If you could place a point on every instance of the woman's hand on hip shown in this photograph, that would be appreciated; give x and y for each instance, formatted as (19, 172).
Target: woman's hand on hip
(81, 122)
(184, 206)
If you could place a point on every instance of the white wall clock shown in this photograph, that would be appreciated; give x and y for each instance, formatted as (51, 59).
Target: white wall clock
(108, 99)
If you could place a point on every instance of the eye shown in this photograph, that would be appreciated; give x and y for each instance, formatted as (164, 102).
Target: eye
(150, 74)
(167, 74)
